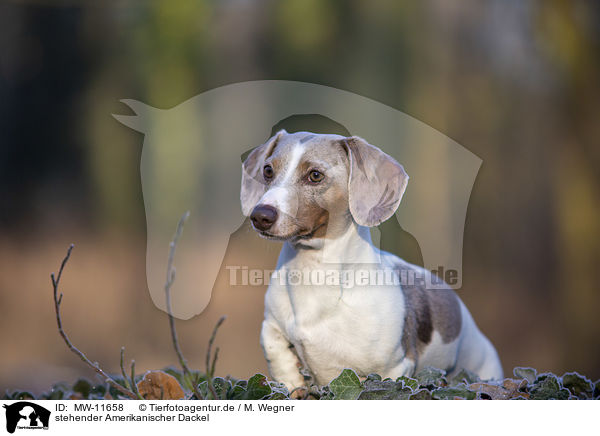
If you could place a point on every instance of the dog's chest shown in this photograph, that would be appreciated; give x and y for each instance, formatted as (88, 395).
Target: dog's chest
(332, 327)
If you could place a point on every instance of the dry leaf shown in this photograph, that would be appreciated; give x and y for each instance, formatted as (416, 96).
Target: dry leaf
(158, 385)
(508, 390)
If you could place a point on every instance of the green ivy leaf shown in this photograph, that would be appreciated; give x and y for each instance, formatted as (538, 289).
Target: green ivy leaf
(346, 386)
(83, 387)
(449, 393)
(115, 393)
(526, 373)
(397, 392)
(57, 392)
(242, 383)
(279, 388)
(258, 388)
(221, 387)
(547, 387)
(97, 392)
(327, 396)
(579, 385)
(431, 377)
(409, 382)
(237, 393)
(464, 376)
(373, 377)
(421, 394)
(19, 395)
(372, 384)
(203, 389)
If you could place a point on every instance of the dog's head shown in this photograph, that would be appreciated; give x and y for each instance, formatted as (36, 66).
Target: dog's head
(303, 185)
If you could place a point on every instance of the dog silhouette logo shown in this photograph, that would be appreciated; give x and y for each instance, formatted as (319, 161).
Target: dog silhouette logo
(190, 161)
(26, 415)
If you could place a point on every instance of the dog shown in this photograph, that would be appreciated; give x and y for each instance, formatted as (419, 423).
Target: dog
(320, 194)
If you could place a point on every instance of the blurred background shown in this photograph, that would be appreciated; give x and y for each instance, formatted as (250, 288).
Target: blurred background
(515, 82)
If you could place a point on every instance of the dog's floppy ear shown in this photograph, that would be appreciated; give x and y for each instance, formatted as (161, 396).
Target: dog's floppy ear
(253, 183)
(376, 182)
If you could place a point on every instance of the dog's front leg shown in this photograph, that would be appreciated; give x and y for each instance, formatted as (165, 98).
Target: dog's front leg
(405, 368)
(282, 361)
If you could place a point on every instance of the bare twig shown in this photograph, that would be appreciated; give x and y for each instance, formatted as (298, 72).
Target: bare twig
(210, 370)
(129, 382)
(131, 390)
(214, 362)
(133, 385)
(83, 357)
(168, 283)
(123, 373)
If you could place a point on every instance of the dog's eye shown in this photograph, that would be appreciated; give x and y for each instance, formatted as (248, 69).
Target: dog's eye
(268, 172)
(316, 176)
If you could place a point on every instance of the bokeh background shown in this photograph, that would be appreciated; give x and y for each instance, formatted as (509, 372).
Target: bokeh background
(515, 82)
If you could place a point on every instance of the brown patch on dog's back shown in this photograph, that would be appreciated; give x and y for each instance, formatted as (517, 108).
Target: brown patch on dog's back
(428, 310)
(448, 319)
(418, 326)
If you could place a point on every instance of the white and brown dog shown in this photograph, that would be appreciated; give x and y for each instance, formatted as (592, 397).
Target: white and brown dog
(320, 194)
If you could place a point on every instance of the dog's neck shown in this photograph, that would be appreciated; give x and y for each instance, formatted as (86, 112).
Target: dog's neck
(350, 245)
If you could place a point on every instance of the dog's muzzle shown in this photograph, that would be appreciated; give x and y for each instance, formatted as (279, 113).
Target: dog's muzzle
(263, 217)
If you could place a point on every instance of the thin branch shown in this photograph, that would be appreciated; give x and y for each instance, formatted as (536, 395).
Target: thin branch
(214, 362)
(130, 382)
(123, 373)
(168, 283)
(210, 370)
(83, 357)
(133, 385)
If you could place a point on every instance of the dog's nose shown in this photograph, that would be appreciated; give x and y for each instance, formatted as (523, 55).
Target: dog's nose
(263, 217)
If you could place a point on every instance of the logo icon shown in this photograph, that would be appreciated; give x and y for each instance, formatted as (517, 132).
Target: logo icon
(26, 415)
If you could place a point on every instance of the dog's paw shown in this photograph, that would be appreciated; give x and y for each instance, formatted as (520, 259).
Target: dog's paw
(299, 393)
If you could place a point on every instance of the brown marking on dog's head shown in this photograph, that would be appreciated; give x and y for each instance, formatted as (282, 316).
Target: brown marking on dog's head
(308, 185)
(253, 185)
(355, 181)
